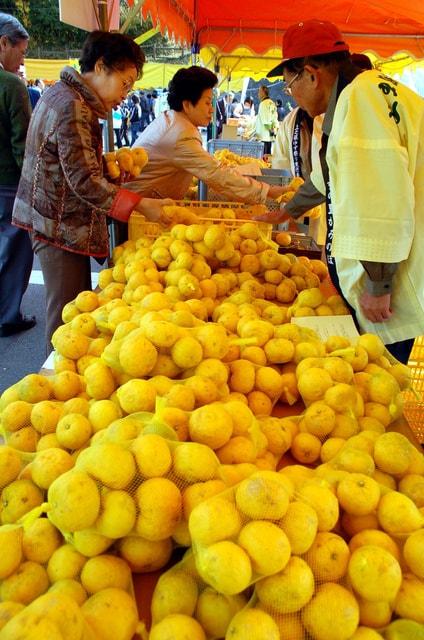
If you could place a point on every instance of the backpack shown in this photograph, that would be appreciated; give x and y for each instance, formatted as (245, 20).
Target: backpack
(135, 113)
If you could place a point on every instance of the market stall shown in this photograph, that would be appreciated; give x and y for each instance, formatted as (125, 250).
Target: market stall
(212, 423)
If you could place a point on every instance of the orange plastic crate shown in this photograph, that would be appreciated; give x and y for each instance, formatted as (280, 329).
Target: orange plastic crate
(414, 401)
(139, 227)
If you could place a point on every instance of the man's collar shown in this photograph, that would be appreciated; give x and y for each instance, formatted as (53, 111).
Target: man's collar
(327, 123)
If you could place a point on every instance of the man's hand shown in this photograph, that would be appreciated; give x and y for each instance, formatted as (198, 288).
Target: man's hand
(152, 209)
(274, 217)
(376, 308)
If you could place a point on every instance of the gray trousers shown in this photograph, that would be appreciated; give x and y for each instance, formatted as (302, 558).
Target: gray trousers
(65, 275)
(15, 260)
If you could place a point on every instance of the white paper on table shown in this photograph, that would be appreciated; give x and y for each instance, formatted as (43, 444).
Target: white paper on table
(326, 326)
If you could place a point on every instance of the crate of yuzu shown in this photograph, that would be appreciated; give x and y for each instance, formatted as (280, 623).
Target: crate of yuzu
(232, 214)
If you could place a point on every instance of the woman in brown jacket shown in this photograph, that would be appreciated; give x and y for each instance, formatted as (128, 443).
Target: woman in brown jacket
(63, 197)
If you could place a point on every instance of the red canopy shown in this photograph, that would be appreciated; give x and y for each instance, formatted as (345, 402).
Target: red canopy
(382, 26)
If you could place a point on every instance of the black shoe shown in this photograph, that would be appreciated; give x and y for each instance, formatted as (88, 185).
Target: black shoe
(10, 328)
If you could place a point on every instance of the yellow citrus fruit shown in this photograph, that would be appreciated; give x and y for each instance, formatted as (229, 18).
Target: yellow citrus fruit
(408, 603)
(328, 557)
(18, 498)
(137, 395)
(16, 415)
(194, 462)
(26, 584)
(374, 537)
(74, 501)
(254, 622)
(11, 536)
(8, 610)
(45, 415)
(87, 301)
(177, 626)
(264, 495)
(211, 425)
(306, 448)
(225, 566)
(374, 573)
(152, 455)
(176, 592)
(144, 555)
(129, 354)
(213, 520)
(198, 492)
(109, 463)
(358, 494)
(10, 465)
(73, 431)
(40, 540)
(215, 611)
(104, 571)
(26, 439)
(313, 383)
(392, 453)
(267, 546)
(412, 485)
(117, 514)
(332, 613)
(71, 588)
(375, 614)
(50, 464)
(398, 514)
(111, 613)
(320, 419)
(187, 352)
(160, 506)
(324, 503)
(372, 344)
(237, 450)
(102, 413)
(289, 590)
(413, 552)
(300, 524)
(354, 460)
(181, 396)
(34, 387)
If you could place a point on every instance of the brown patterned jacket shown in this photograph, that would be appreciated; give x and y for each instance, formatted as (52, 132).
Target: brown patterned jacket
(63, 197)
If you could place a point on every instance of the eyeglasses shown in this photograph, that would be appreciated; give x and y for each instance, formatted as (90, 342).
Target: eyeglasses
(127, 85)
(288, 88)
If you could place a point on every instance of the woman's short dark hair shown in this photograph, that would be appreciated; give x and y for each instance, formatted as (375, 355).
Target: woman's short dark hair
(189, 84)
(12, 29)
(135, 98)
(265, 90)
(115, 49)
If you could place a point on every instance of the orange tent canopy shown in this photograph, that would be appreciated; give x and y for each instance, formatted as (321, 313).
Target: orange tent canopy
(382, 26)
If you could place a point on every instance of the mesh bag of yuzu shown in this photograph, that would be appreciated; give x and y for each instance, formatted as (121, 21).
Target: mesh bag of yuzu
(129, 487)
(182, 602)
(37, 561)
(235, 534)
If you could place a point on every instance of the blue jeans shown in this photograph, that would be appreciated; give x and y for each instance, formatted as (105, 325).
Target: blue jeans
(16, 258)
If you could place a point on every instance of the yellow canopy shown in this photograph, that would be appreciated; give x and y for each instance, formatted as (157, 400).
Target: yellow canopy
(155, 74)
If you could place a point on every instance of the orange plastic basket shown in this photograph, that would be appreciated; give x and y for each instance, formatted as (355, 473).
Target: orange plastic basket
(138, 226)
(414, 400)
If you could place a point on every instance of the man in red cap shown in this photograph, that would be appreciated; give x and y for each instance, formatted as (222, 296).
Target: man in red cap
(372, 174)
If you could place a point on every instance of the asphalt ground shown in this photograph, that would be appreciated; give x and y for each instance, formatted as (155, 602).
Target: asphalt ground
(24, 352)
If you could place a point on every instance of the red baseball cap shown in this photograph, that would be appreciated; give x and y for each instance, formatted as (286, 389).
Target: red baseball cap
(309, 38)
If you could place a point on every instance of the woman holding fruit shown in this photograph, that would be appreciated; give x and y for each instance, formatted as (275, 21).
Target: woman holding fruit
(176, 154)
(63, 198)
